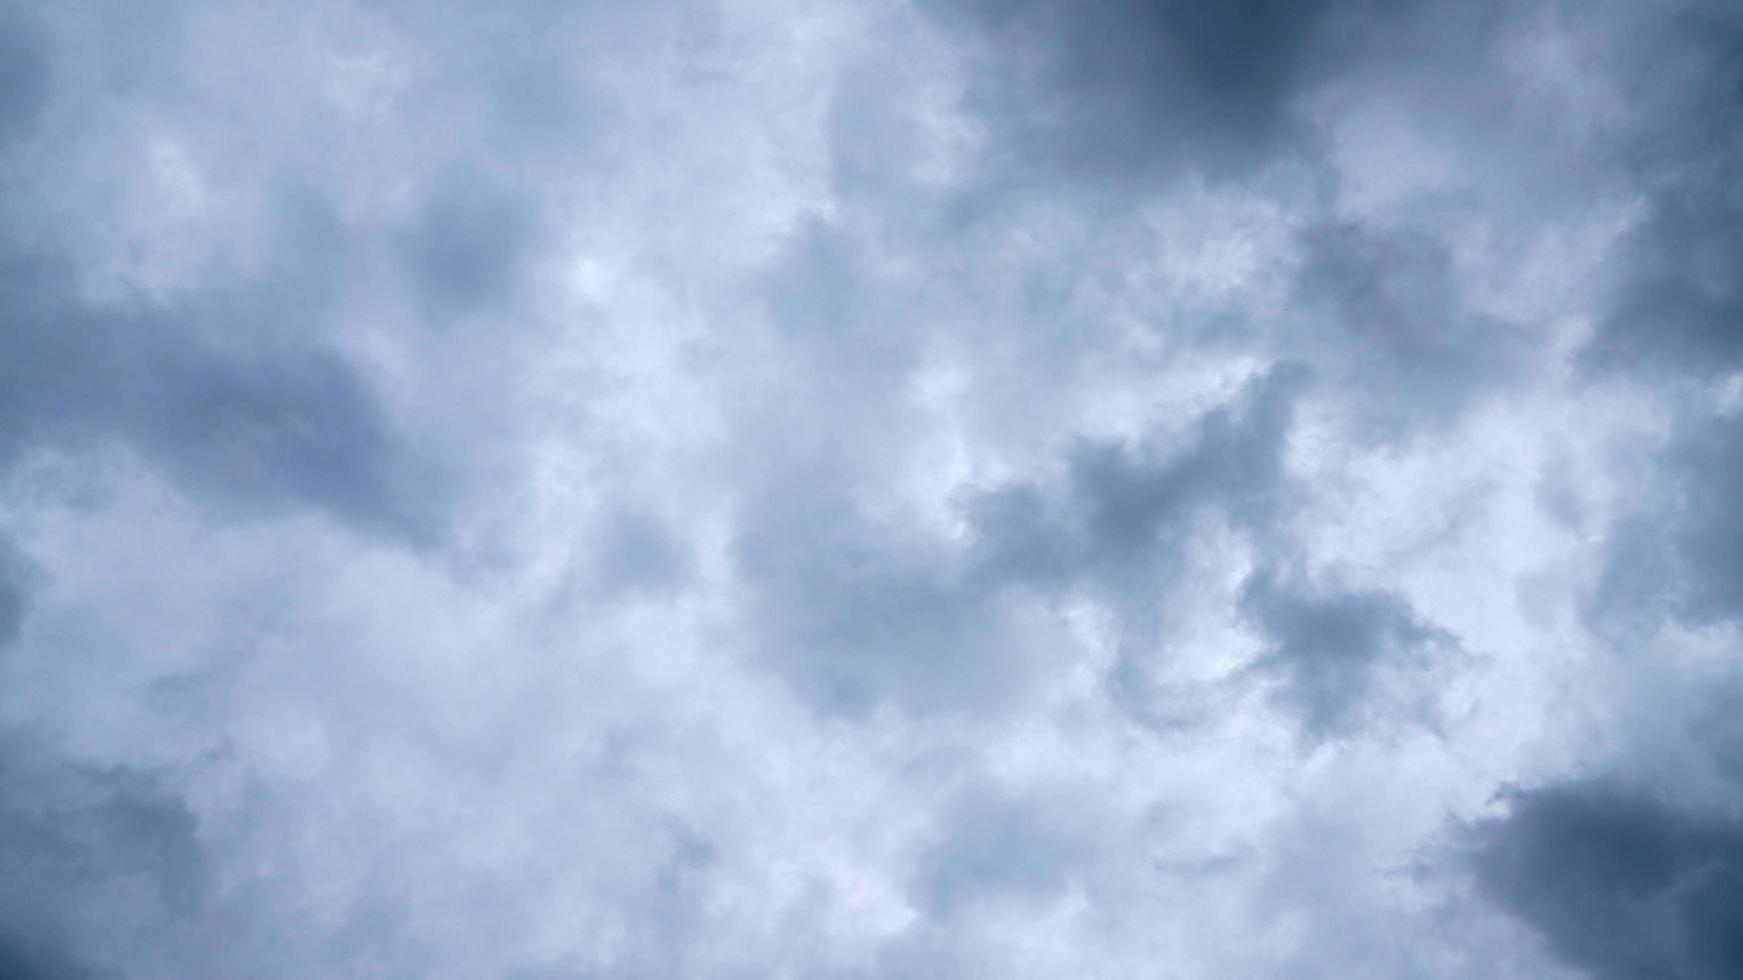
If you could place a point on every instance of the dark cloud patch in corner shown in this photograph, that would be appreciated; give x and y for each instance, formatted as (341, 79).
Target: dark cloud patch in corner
(1328, 646)
(30, 958)
(1121, 87)
(62, 821)
(83, 847)
(1680, 304)
(1676, 324)
(1617, 882)
(1114, 89)
(23, 77)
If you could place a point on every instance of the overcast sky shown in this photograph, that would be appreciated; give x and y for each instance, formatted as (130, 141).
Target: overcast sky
(925, 489)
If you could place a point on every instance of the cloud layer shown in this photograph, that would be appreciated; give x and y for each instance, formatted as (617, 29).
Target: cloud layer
(737, 488)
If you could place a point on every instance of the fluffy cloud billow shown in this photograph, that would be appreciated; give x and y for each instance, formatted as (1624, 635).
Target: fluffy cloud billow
(942, 489)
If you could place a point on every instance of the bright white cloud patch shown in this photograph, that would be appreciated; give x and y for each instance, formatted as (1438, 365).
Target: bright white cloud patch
(935, 490)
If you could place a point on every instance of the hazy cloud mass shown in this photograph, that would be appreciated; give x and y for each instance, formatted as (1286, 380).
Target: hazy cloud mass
(924, 489)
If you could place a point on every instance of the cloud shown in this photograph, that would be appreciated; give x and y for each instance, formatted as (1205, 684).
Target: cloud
(468, 242)
(24, 960)
(1329, 648)
(93, 844)
(854, 610)
(1619, 883)
(1632, 868)
(853, 615)
(1675, 307)
(251, 425)
(825, 489)
(1399, 330)
(13, 595)
(1674, 558)
(1000, 848)
(1675, 317)
(24, 80)
(1113, 89)
(1122, 513)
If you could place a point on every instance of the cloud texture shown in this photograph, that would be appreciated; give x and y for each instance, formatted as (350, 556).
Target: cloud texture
(937, 489)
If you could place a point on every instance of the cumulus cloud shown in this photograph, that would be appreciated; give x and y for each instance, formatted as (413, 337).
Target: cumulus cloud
(741, 488)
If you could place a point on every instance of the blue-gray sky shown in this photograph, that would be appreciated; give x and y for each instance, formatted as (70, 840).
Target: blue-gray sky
(927, 489)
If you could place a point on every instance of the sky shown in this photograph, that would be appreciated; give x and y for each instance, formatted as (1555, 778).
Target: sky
(918, 489)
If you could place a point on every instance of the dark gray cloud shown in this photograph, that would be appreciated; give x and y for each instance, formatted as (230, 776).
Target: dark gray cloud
(204, 391)
(1679, 305)
(1124, 521)
(1111, 89)
(1618, 882)
(236, 387)
(1326, 647)
(1115, 87)
(81, 844)
(1123, 514)
(28, 958)
(1677, 319)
